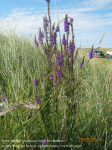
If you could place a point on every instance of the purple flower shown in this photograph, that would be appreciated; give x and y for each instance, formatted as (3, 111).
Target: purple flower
(64, 40)
(53, 27)
(3, 100)
(82, 63)
(45, 23)
(59, 74)
(71, 19)
(38, 101)
(91, 54)
(59, 59)
(71, 47)
(44, 142)
(35, 81)
(36, 43)
(66, 26)
(41, 35)
(52, 38)
(0, 106)
(51, 77)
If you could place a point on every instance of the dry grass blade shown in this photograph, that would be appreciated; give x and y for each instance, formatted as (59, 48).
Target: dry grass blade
(102, 37)
(10, 108)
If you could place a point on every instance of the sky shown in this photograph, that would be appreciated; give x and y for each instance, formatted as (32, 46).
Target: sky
(92, 19)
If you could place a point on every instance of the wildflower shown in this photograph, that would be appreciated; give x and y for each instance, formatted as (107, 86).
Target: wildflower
(59, 74)
(3, 100)
(59, 59)
(82, 63)
(35, 81)
(71, 47)
(91, 54)
(57, 29)
(53, 26)
(41, 35)
(52, 38)
(44, 142)
(36, 43)
(71, 19)
(51, 77)
(64, 40)
(45, 23)
(38, 101)
(66, 26)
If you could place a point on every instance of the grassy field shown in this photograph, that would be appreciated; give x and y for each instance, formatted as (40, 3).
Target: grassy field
(77, 109)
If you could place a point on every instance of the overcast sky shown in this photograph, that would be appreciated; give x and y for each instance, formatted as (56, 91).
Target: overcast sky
(92, 18)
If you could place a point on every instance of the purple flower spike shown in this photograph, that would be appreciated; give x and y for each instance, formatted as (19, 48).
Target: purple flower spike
(36, 43)
(64, 40)
(41, 35)
(82, 63)
(71, 47)
(66, 26)
(59, 59)
(91, 54)
(44, 142)
(3, 100)
(35, 81)
(71, 19)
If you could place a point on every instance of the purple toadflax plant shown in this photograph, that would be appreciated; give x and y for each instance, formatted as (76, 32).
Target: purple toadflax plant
(59, 70)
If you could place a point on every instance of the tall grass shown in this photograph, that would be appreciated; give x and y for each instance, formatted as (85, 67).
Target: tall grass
(59, 95)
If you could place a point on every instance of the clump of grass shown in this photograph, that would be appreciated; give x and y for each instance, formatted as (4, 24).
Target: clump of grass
(57, 73)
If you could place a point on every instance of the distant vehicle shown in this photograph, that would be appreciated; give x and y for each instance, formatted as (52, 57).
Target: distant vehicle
(100, 54)
(109, 52)
(109, 56)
